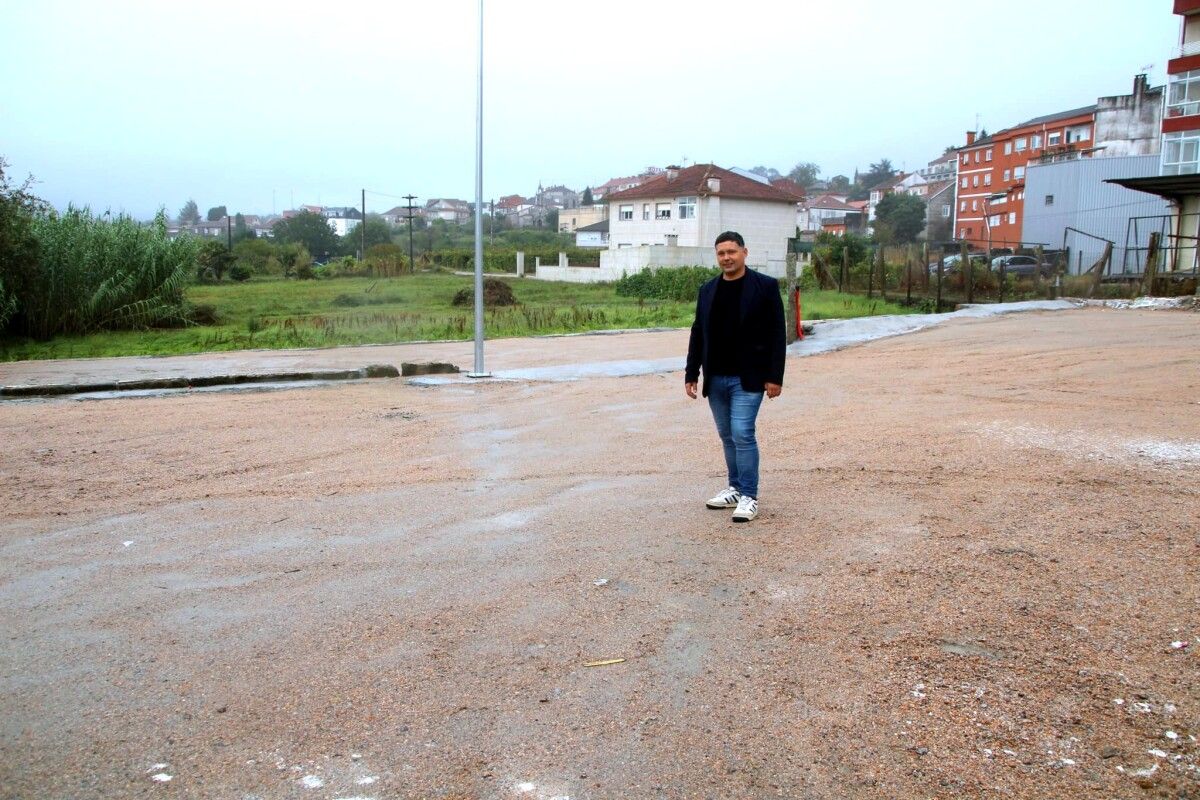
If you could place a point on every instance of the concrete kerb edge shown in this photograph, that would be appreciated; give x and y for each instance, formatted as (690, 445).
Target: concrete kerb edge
(60, 389)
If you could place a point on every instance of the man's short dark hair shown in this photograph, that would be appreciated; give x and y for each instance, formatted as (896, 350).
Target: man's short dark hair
(730, 236)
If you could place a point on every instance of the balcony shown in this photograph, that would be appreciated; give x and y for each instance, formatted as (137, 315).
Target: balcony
(1187, 48)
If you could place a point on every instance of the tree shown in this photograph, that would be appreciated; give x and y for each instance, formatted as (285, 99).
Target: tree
(552, 219)
(308, 229)
(240, 229)
(18, 245)
(212, 261)
(806, 173)
(829, 247)
(770, 173)
(899, 218)
(376, 230)
(587, 200)
(216, 213)
(189, 214)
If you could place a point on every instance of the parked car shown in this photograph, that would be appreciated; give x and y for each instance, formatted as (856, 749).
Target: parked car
(1021, 266)
(950, 263)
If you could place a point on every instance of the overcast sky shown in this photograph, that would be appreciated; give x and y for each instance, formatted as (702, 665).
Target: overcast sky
(135, 105)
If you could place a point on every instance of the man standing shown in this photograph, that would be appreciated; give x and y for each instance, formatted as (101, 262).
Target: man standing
(738, 340)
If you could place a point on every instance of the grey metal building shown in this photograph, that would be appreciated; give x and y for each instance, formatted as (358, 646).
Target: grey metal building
(1070, 195)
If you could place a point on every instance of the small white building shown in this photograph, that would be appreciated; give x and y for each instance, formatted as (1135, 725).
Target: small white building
(688, 208)
(342, 219)
(594, 235)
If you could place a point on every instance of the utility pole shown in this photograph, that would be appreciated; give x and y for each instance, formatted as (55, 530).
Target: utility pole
(228, 231)
(362, 229)
(412, 265)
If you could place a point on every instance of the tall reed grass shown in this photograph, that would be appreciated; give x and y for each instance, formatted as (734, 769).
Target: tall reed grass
(94, 273)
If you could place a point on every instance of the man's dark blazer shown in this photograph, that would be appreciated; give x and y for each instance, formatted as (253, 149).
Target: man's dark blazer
(763, 351)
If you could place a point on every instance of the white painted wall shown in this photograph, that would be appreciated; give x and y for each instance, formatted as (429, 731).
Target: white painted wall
(766, 226)
(342, 226)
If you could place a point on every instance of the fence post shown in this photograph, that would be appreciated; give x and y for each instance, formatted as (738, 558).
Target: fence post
(941, 263)
(520, 263)
(882, 274)
(845, 268)
(925, 266)
(1040, 254)
(789, 312)
(968, 272)
(871, 275)
(1100, 267)
(1151, 265)
(908, 265)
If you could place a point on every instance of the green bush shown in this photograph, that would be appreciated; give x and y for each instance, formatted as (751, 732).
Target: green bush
(239, 273)
(256, 255)
(666, 283)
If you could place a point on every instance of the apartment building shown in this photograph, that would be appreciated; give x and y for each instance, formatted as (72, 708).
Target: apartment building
(990, 173)
(1181, 123)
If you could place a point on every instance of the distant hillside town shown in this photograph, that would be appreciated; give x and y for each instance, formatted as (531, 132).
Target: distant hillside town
(1102, 175)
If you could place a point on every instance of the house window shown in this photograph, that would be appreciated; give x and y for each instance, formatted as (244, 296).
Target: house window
(1019, 173)
(945, 211)
(1036, 144)
(974, 205)
(993, 220)
(976, 156)
(1021, 144)
(645, 211)
(1080, 133)
(974, 180)
(1183, 99)
(1008, 174)
(662, 210)
(964, 183)
(962, 206)
(1049, 199)
(1053, 139)
(987, 179)
(687, 208)
(626, 211)
(966, 157)
(1008, 148)
(1012, 218)
(987, 154)
(962, 233)
(1181, 153)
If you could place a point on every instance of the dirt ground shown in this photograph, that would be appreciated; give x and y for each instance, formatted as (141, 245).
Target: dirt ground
(975, 574)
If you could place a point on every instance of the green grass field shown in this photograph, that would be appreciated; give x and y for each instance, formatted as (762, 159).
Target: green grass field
(276, 313)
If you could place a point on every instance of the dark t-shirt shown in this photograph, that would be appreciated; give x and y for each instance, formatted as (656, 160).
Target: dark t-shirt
(725, 328)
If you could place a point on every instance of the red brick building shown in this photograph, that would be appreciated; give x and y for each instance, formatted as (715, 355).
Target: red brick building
(990, 173)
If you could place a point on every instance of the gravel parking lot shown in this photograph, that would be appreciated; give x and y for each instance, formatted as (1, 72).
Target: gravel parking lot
(974, 574)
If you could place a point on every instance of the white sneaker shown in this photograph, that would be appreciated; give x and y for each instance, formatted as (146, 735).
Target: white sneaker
(747, 509)
(726, 499)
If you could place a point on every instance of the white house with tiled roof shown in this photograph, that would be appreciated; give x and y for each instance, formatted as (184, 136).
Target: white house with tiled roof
(688, 208)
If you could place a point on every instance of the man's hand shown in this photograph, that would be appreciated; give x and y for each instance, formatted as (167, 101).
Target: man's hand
(690, 388)
(773, 390)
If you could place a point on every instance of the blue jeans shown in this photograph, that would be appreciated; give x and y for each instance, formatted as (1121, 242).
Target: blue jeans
(734, 410)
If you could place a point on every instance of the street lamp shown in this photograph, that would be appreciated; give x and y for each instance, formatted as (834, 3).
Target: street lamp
(479, 371)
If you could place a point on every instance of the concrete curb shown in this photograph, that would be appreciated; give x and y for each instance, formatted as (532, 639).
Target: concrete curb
(58, 389)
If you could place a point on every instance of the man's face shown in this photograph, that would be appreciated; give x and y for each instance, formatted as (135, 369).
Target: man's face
(732, 259)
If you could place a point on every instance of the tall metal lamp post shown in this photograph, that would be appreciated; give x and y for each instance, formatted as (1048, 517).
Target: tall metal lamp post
(479, 371)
